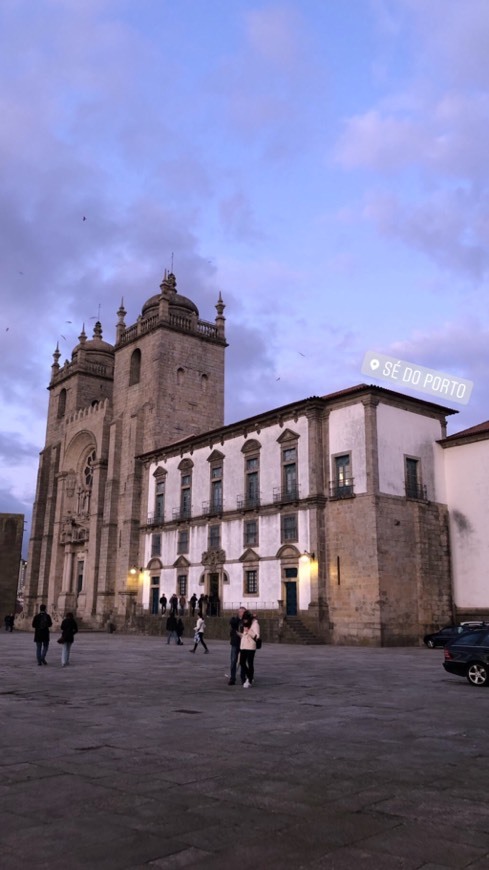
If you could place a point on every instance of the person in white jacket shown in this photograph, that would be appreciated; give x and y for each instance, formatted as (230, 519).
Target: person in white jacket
(249, 634)
(199, 635)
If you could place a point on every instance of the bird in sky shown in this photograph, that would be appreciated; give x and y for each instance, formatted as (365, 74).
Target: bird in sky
(84, 218)
(300, 354)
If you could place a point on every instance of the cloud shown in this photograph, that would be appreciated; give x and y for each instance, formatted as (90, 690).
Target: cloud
(457, 348)
(421, 149)
(449, 226)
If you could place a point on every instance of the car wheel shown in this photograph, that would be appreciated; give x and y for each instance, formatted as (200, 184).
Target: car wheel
(478, 674)
(430, 643)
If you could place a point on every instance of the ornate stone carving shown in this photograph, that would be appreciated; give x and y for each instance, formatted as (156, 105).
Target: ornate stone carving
(212, 558)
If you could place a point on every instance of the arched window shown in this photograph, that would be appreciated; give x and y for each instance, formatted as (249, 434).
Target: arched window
(135, 370)
(88, 470)
(62, 403)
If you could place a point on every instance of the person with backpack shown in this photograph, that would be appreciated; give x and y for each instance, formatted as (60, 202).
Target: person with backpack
(41, 624)
(199, 635)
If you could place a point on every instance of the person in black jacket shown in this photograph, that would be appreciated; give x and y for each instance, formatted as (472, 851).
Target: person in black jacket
(41, 624)
(171, 627)
(235, 626)
(68, 630)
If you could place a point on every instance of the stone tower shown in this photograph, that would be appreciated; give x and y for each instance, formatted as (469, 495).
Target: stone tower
(161, 381)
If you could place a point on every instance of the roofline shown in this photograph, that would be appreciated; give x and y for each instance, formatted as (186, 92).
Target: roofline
(290, 410)
(459, 438)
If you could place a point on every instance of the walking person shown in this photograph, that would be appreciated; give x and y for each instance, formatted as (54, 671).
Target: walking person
(199, 635)
(41, 624)
(171, 627)
(235, 626)
(249, 634)
(180, 631)
(68, 630)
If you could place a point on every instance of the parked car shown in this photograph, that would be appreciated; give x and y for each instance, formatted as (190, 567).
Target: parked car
(468, 656)
(449, 633)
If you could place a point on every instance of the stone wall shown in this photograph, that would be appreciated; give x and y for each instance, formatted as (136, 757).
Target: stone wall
(11, 533)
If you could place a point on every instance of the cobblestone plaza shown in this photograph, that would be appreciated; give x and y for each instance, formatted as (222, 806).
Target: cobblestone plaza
(140, 756)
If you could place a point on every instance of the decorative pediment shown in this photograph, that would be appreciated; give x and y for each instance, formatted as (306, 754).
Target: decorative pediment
(249, 555)
(185, 465)
(216, 456)
(154, 565)
(160, 472)
(288, 552)
(181, 562)
(288, 435)
(251, 446)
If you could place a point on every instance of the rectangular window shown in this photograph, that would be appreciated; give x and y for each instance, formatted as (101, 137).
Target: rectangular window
(251, 533)
(252, 485)
(251, 582)
(289, 527)
(291, 573)
(182, 584)
(159, 501)
(214, 537)
(414, 488)
(216, 495)
(186, 495)
(342, 484)
(156, 545)
(182, 545)
(80, 570)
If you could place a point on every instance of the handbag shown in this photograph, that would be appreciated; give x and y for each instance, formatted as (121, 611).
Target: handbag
(60, 639)
(258, 642)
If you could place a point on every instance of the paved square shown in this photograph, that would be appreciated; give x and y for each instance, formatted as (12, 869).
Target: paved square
(140, 755)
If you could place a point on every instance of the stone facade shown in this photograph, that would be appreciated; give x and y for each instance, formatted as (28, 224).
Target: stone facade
(11, 533)
(163, 378)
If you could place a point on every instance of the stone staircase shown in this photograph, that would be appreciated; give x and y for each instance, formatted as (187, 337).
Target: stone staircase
(297, 632)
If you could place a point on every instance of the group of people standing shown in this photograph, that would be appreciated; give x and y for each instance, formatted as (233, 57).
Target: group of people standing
(42, 623)
(206, 605)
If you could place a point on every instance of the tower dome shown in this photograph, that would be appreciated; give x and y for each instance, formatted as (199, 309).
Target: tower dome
(177, 304)
(98, 349)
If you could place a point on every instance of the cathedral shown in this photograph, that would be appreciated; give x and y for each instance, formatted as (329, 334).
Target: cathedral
(163, 379)
(345, 518)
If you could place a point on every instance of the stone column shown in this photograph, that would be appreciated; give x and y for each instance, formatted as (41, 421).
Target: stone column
(371, 444)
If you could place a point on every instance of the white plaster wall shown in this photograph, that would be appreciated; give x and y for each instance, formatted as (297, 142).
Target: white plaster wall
(467, 482)
(402, 433)
(347, 435)
(232, 530)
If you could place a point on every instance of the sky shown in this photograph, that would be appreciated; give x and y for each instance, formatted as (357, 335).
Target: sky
(322, 164)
